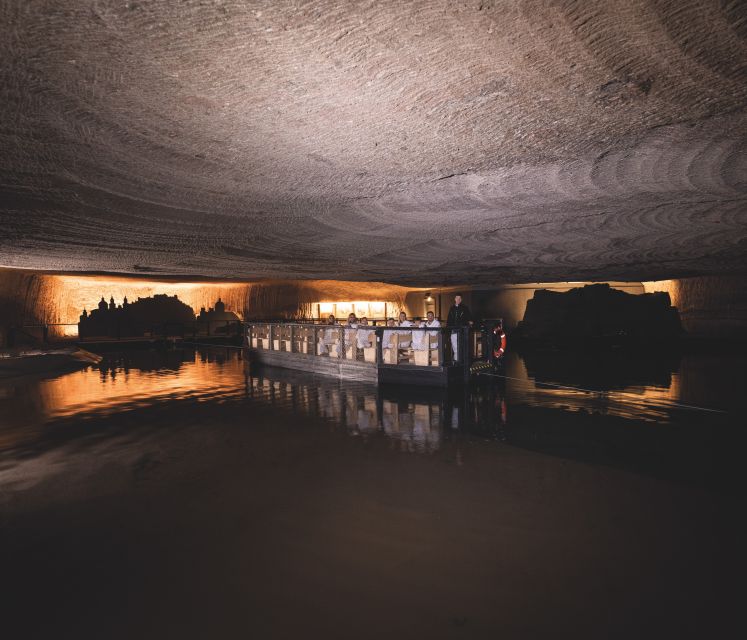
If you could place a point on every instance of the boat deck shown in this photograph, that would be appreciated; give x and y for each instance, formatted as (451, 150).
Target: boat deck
(376, 354)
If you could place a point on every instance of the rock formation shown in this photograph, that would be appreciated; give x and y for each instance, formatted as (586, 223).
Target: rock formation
(580, 317)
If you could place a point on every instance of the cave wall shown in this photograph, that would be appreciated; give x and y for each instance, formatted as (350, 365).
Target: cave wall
(709, 306)
(510, 302)
(713, 306)
(19, 294)
(296, 298)
(24, 300)
(73, 293)
(30, 298)
(507, 301)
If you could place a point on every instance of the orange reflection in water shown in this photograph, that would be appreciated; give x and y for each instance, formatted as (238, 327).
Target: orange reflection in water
(116, 388)
(27, 404)
(639, 402)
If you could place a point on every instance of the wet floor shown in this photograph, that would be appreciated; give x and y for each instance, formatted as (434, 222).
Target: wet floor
(187, 494)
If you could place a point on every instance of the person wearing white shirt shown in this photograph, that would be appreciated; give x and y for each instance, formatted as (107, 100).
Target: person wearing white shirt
(418, 337)
(351, 330)
(421, 339)
(386, 340)
(330, 335)
(404, 322)
(363, 333)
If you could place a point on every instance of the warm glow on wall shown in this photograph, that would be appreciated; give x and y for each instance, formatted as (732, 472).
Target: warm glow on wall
(74, 293)
(377, 309)
(369, 308)
(672, 287)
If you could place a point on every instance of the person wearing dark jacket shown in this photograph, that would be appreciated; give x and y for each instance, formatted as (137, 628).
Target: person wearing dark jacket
(459, 316)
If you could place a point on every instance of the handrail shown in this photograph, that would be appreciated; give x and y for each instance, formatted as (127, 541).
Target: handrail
(328, 340)
(451, 327)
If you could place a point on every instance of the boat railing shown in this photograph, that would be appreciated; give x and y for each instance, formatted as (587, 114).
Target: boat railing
(378, 346)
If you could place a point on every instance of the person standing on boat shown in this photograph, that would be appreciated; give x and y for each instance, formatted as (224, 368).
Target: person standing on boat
(459, 316)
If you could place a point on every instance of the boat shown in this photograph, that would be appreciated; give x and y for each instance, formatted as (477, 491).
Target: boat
(371, 354)
(32, 361)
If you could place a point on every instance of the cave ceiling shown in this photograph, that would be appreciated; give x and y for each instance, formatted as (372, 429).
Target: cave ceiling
(421, 142)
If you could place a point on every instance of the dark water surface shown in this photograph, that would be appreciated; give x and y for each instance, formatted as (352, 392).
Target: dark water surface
(184, 494)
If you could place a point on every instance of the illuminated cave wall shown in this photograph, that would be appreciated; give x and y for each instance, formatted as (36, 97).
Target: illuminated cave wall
(28, 298)
(72, 293)
(277, 299)
(711, 306)
(714, 306)
(510, 302)
(502, 301)
(24, 298)
(297, 299)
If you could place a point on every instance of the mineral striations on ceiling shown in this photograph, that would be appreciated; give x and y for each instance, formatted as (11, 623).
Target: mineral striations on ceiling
(422, 142)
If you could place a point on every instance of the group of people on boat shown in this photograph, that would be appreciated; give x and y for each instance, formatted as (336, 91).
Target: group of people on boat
(459, 316)
(402, 328)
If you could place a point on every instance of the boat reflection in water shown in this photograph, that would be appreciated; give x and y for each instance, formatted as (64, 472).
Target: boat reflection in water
(414, 419)
(595, 411)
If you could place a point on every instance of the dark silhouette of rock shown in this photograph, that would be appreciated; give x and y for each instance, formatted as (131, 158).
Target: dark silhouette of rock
(216, 320)
(602, 369)
(159, 315)
(598, 313)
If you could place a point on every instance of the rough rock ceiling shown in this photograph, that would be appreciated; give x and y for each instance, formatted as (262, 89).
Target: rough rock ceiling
(419, 142)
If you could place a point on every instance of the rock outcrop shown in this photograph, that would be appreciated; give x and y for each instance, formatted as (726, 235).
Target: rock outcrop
(598, 313)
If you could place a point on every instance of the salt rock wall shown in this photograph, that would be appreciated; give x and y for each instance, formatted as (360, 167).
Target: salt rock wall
(295, 298)
(712, 306)
(510, 302)
(74, 293)
(28, 298)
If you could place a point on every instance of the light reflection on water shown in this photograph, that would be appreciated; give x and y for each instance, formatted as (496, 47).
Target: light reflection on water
(120, 383)
(118, 386)
(637, 388)
(639, 402)
(416, 424)
(415, 419)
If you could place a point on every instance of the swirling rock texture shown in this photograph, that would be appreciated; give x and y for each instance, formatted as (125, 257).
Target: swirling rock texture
(421, 142)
